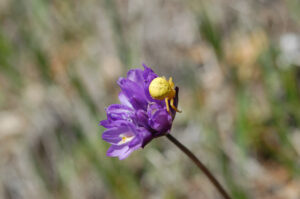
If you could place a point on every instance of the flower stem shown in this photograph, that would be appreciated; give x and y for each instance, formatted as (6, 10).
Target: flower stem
(200, 165)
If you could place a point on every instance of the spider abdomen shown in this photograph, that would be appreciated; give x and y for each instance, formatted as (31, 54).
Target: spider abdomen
(160, 88)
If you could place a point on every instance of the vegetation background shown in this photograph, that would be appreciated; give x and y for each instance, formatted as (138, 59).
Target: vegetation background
(236, 63)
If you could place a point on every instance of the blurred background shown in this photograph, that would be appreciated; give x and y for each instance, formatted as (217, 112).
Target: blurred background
(236, 63)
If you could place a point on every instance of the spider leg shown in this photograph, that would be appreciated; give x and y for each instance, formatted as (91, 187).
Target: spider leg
(171, 82)
(167, 105)
(172, 105)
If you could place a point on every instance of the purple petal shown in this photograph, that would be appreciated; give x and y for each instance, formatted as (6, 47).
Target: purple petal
(130, 87)
(136, 75)
(135, 142)
(119, 112)
(105, 123)
(152, 108)
(112, 135)
(134, 92)
(142, 118)
(115, 150)
(111, 123)
(148, 74)
(132, 147)
(161, 121)
(124, 99)
(126, 154)
(122, 151)
(146, 136)
(119, 108)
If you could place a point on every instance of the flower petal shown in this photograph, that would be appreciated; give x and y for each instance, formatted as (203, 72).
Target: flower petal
(115, 150)
(142, 118)
(136, 75)
(122, 151)
(145, 135)
(134, 92)
(112, 135)
(111, 124)
(160, 121)
(124, 99)
(126, 154)
(119, 112)
(148, 74)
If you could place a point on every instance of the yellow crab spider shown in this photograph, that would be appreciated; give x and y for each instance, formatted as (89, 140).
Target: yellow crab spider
(161, 89)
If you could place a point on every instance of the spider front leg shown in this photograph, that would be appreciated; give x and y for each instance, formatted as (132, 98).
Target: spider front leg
(171, 82)
(172, 105)
(167, 104)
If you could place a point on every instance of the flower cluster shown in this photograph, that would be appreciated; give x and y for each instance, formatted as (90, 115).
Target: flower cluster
(139, 118)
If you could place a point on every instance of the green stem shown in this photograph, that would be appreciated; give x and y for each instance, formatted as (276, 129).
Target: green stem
(200, 165)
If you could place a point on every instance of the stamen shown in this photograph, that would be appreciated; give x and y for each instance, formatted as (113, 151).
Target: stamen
(125, 139)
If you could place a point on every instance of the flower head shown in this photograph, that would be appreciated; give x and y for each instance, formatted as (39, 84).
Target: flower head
(139, 118)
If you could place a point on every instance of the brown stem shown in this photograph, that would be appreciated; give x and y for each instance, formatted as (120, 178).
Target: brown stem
(200, 165)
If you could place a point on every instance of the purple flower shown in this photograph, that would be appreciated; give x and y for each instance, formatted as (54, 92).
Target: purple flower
(139, 118)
